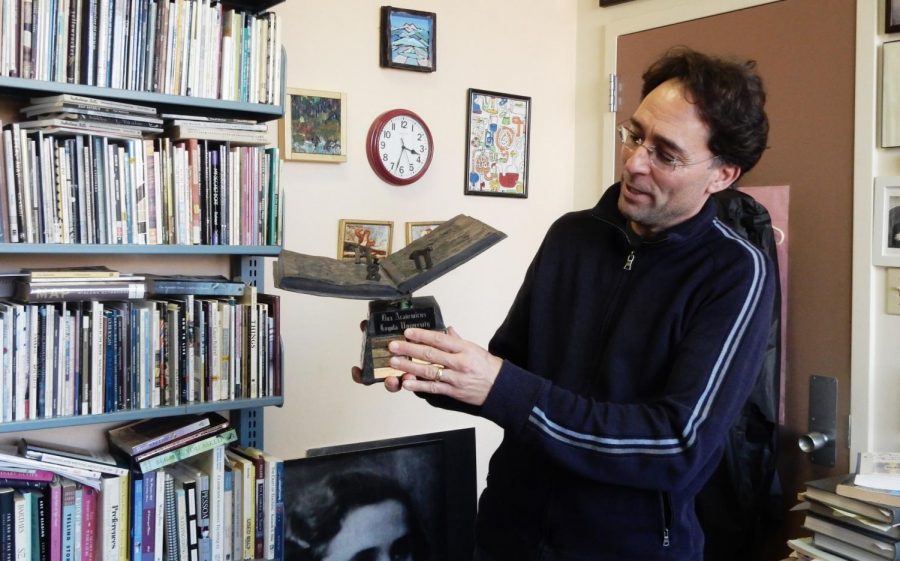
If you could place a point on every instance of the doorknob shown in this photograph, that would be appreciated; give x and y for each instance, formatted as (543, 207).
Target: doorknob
(819, 442)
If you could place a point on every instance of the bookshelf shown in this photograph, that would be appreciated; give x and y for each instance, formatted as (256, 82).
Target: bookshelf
(243, 261)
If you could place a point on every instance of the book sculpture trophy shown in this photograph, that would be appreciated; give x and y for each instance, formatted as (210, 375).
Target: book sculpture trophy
(388, 283)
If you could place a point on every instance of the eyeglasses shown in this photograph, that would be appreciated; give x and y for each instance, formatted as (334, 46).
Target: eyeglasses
(659, 158)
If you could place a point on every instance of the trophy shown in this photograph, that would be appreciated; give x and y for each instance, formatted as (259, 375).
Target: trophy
(388, 283)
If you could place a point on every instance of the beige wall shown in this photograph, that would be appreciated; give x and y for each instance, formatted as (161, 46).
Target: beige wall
(525, 47)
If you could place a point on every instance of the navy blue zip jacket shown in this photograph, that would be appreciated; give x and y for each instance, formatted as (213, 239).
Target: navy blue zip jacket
(625, 363)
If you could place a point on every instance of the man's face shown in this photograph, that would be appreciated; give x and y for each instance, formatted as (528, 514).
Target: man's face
(654, 198)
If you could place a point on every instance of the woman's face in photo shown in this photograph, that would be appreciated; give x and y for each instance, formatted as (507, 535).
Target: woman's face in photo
(376, 532)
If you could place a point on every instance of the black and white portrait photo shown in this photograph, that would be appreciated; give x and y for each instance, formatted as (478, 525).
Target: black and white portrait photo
(389, 500)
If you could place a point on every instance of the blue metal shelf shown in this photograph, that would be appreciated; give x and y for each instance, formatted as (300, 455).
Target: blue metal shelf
(164, 102)
(130, 249)
(134, 414)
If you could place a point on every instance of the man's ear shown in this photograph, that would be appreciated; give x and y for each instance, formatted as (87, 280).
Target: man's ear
(725, 176)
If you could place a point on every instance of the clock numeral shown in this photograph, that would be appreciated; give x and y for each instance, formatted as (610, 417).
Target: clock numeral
(400, 170)
(421, 147)
(387, 134)
(403, 124)
(419, 138)
(384, 157)
(383, 145)
(412, 169)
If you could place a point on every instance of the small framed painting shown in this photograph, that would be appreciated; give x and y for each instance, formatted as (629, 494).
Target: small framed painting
(408, 39)
(892, 16)
(497, 133)
(373, 236)
(314, 126)
(886, 242)
(415, 230)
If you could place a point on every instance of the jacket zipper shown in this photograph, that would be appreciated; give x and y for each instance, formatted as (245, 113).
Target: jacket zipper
(666, 511)
(629, 261)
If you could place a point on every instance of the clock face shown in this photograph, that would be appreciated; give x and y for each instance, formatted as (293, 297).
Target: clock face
(399, 147)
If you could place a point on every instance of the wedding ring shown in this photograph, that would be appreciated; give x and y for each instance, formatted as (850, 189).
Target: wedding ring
(439, 374)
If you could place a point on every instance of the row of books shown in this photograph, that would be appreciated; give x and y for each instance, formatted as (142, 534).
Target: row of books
(181, 47)
(81, 188)
(89, 358)
(196, 496)
(850, 521)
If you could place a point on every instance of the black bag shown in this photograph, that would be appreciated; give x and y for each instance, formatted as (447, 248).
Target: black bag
(741, 502)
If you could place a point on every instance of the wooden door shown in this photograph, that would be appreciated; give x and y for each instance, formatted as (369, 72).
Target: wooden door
(805, 54)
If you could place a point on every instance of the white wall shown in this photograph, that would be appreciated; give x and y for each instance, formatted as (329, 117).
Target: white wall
(525, 47)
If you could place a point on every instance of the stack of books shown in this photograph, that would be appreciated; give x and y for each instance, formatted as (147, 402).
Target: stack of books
(150, 444)
(850, 521)
(77, 284)
(197, 501)
(221, 129)
(70, 113)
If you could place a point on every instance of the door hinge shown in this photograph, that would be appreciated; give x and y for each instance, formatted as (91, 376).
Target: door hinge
(613, 93)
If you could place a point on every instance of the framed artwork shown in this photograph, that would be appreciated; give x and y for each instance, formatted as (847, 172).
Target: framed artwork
(497, 133)
(408, 498)
(373, 234)
(604, 3)
(314, 126)
(415, 230)
(408, 39)
(892, 16)
(886, 240)
(890, 94)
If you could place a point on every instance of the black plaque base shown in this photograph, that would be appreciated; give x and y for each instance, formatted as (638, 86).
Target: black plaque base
(387, 321)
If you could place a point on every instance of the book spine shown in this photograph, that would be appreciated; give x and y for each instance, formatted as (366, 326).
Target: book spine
(111, 511)
(7, 524)
(137, 511)
(42, 525)
(148, 518)
(171, 520)
(56, 505)
(188, 451)
(227, 519)
(279, 511)
(159, 529)
(89, 524)
(21, 528)
(68, 521)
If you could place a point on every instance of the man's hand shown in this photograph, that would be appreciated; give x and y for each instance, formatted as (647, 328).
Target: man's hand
(455, 367)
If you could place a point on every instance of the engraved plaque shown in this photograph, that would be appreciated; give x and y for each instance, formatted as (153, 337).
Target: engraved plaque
(387, 321)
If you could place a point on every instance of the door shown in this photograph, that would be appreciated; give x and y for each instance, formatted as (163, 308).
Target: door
(805, 54)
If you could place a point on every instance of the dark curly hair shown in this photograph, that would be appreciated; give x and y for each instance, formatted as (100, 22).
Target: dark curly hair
(729, 95)
(318, 514)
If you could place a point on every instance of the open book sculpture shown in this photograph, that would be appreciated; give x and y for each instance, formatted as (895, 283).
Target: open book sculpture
(389, 282)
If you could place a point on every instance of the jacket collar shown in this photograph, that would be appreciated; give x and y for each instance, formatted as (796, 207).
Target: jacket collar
(607, 209)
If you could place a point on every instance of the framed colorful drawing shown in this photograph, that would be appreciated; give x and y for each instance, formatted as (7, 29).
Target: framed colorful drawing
(415, 230)
(497, 138)
(314, 126)
(375, 235)
(408, 39)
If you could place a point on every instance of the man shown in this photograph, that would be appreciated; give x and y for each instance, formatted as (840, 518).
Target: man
(632, 344)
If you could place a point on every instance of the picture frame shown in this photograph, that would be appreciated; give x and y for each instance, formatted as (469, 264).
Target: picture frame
(415, 230)
(891, 16)
(498, 130)
(408, 39)
(374, 234)
(886, 237)
(314, 126)
(605, 3)
(890, 94)
(435, 473)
